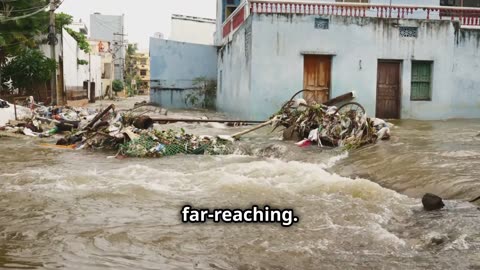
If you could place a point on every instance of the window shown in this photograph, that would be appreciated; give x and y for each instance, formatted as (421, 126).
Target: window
(321, 23)
(456, 3)
(421, 80)
(143, 72)
(408, 31)
(459, 3)
(144, 62)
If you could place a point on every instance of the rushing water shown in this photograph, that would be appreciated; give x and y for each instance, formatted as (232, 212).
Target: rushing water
(80, 210)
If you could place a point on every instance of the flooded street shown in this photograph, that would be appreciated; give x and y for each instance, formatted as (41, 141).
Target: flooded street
(79, 210)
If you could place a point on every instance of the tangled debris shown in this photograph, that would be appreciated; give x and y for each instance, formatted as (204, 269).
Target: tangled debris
(347, 127)
(129, 133)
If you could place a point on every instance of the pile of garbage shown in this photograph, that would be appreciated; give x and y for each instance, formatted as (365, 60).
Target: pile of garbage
(128, 133)
(329, 126)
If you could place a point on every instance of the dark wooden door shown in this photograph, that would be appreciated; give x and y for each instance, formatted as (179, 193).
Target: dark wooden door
(388, 90)
(317, 77)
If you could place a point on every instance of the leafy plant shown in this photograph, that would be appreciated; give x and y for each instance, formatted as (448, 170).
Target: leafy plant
(205, 94)
(82, 62)
(81, 39)
(28, 68)
(117, 86)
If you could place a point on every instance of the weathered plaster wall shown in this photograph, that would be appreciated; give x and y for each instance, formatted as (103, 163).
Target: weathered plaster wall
(185, 29)
(357, 44)
(234, 76)
(174, 67)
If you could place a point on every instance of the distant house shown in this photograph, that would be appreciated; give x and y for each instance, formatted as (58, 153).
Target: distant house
(103, 49)
(192, 29)
(111, 28)
(141, 62)
(403, 60)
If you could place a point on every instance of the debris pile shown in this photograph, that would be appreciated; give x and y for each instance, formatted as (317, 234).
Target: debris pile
(127, 133)
(347, 127)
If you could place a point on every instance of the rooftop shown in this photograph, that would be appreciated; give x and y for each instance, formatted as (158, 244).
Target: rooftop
(192, 18)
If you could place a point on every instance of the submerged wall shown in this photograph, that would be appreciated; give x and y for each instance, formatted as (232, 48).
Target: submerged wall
(356, 45)
(174, 68)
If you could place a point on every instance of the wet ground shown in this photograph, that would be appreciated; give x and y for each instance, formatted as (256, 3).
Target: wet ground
(80, 210)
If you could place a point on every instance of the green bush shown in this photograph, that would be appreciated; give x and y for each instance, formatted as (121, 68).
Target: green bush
(117, 86)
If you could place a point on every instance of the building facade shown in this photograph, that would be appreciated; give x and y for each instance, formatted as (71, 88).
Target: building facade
(141, 62)
(405, 60)
(103, 49)
(111, 28)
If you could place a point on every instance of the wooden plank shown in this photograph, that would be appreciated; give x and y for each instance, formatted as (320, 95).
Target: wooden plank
(186, 120)
(339, 99)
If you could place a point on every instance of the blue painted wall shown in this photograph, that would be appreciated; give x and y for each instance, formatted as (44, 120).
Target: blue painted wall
(174, 66)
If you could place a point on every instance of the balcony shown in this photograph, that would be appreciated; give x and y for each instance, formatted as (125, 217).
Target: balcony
(467, 17)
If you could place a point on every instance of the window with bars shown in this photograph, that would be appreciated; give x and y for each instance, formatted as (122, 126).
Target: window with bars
(421, 80)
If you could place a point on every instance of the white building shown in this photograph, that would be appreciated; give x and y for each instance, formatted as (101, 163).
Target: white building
(411, 59)
(111, 28)
(79, 26)
(192, 29)
(80, 80)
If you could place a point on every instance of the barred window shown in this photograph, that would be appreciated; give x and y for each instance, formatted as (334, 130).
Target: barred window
(408, 31)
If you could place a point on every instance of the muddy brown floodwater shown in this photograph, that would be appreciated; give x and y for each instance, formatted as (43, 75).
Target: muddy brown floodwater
(80, 210)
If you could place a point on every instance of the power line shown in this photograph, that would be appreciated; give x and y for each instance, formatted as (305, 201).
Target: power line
(24, 16)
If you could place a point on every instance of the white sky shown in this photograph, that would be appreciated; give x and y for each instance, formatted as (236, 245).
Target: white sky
(142, 17)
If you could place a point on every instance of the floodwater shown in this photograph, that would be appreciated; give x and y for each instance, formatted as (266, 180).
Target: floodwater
(79, 210)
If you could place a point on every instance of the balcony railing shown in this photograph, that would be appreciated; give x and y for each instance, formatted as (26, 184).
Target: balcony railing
(235, 19)
(466, 16)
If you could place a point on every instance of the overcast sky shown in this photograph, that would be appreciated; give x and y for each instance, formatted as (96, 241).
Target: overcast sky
(142, 17)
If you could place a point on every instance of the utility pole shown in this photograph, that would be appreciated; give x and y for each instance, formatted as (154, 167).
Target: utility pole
(56, 97)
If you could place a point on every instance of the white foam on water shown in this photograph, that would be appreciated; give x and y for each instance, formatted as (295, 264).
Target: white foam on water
(460, 154)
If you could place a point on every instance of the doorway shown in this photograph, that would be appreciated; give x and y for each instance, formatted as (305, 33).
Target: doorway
(388, 90)
(317, 78)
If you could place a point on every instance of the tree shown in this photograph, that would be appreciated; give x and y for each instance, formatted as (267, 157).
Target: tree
(131, 70)
(117, 86)
(29, 68)
(17, 34)
(19, 31)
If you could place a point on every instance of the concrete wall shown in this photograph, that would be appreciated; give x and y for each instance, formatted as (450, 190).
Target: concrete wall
(192, 30)
(356, 45)
(173, 68)
(234, 76)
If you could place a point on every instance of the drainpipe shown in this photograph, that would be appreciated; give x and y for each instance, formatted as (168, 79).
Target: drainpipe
(90, 77)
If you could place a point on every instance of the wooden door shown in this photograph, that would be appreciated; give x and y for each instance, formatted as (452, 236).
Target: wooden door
(388, 90)
(317, 76)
